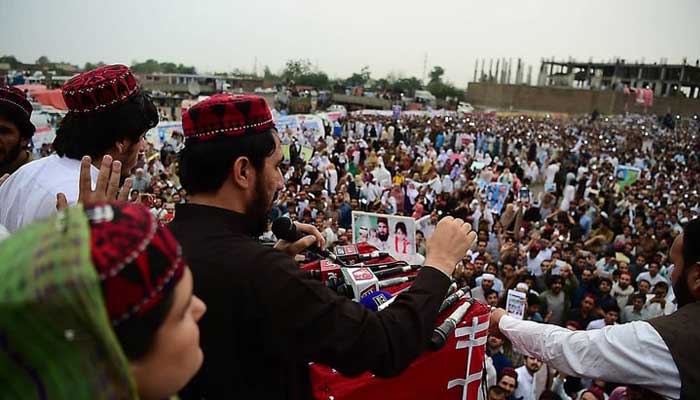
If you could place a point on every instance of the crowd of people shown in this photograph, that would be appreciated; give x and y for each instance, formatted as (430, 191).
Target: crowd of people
(587, 250)
(588, 247)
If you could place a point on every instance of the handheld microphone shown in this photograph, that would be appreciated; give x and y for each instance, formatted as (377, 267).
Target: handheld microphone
(451, 299)
(385, 273)
(395, 281)
(375, 299)
(284, 228)
(442, 332)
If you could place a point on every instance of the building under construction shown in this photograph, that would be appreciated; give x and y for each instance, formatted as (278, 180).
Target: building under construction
(664, 79)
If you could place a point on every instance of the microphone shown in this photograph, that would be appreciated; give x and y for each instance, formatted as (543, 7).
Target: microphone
(348, 253)
(442, 332)
(312, 274)
(284, 228)
(372, 255)
(391, 300)
(330, 273)
(390, 264)
(374, 300)
(385, 273)
(451, 289)
(359, 282)
(451, 299)
(395, 281)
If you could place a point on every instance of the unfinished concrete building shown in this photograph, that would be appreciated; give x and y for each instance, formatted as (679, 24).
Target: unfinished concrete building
(663, 78)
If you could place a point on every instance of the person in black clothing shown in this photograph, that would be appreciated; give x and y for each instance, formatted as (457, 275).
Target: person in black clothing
(266, 321)
(586, 313)
(604, 297)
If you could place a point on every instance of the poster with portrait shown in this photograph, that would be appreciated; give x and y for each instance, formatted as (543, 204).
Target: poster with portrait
(495, 195)
(516, 303)
(306, 153)
(162, 132)
(626, 175)
(393, 234)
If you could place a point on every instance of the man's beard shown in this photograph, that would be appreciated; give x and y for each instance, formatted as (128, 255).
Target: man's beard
(10, 155)
(258, 208)
(681, 291)
(531, 371)
(383, 236)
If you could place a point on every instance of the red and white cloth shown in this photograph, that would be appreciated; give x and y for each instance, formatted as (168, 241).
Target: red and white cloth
(440, 375)
(452, 373)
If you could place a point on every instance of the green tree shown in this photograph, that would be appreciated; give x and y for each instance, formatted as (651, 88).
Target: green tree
(237, 72)
(442, 90)
(364, 72)
(436, 74)
(439, 88)
(169, 68)
(184, 69)
(319, 80)
(268, 75)
(43, 60)
(301, 73)
(90, 66)
(407, 86)
(382, 84)
(147, 67)
(10, 60)
(359, 79)
(294, 70)
(151, 66)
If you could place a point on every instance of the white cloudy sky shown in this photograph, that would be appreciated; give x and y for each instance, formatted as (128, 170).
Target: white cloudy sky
(342, 36)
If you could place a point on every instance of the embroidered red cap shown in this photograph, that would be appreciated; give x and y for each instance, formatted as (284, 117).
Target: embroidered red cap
(227, 115)
(100, 88)
(14, 98)
(137, 259)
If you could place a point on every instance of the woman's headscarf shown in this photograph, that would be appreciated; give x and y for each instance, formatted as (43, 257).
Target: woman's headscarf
(56, 338)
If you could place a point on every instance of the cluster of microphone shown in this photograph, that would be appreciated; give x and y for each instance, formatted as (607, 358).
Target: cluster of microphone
(360, 281)
(364, 283)
(356, 281)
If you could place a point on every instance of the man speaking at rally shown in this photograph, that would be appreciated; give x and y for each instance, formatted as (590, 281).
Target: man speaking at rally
(657, 355)
(265, 320)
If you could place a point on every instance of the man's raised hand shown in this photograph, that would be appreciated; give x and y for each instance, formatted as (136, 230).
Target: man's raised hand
(448, 244)
(107, 185)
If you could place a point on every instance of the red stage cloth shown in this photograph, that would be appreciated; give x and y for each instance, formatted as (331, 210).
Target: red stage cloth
(434, 375)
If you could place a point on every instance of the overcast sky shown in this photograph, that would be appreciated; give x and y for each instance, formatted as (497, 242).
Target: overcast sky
(342, 36)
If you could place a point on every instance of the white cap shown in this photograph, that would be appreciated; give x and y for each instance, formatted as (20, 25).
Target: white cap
(522, 286)
(488, 277)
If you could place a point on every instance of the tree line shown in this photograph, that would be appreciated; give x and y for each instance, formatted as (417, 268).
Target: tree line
(149, 66)
(299, 72)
